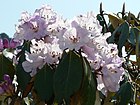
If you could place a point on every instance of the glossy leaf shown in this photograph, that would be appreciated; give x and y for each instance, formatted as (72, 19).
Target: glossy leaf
(87, 93)
(6, 67)
(132, 37)
(68, 76)
(124, 35)
(120, 36)
(23, 77)
(43, 83)
(125, 94)
(110, 28)
(115, 20)
(137, 35)
(88, 89)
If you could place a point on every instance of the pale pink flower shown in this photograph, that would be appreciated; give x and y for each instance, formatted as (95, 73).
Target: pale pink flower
(41, 53)
(1, 44)
(112, 75)
(34, 27)
(106, 63)
(47, 13)
(53, 53)
(33, 63)
(74, 37)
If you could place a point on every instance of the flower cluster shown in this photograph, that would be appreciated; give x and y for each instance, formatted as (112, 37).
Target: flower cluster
(6, 87)
(106, 63)
(8, 43)
(35, 26)
(50, 34)
(41, 53)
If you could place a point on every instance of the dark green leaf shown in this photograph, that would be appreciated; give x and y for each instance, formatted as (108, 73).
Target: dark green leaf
(137, 34)
(130, 17)
(124, 35)
(88, 89)
(3, 35)
(68, 76)
(86, 95)
(100, 19)
(23, 77)
(6, 67)
(120, 36)
(110, 28)
(43, 83)
(132, 37)
(125, 94)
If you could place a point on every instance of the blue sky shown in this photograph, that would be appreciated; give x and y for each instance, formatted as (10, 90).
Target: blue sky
(10, 11)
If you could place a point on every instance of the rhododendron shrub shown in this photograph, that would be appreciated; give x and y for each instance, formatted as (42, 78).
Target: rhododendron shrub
(79, 61)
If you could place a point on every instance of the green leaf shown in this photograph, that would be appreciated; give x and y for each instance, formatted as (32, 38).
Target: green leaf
(120, 36)
(6, 67)
(130, 17)
(124, 35)
(88, 89)
(115, 20)
(3, 35)
(43, 83)
(100, 19)
(86, 95)
(23, 77)
(125, 94)
(132, 36)
(137, 34)
(68, 76)
(110, 28)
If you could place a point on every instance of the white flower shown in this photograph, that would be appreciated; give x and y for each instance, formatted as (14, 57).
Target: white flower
(53, 53)
(58, 28)
(112, 75)
(35, 26)
(95, 60)
(41, 53)
(37, 46)
(24, 17)
(100, 86)
(70, 40)
(106, 63)
(33, 62)
(74, 37)
(80, 31)
(47, 13)
(90, 22)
